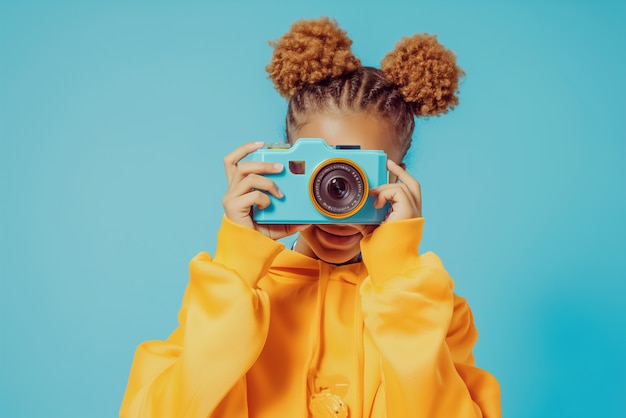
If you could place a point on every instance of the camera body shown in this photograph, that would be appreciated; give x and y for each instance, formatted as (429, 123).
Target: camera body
(323, 184)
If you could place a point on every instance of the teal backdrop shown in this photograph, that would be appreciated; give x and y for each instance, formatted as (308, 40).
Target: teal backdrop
(115, 116)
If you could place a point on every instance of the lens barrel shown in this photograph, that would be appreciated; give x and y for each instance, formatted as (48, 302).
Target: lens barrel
(338, 188)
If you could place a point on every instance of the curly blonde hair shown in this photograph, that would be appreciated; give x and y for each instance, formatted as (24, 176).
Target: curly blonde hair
(314, 68)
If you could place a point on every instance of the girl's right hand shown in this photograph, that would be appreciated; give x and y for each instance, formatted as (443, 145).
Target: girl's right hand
(247, 187)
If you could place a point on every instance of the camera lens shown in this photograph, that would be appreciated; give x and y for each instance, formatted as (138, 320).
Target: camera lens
(338, 188)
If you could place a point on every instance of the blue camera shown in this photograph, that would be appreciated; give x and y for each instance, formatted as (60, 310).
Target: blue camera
(323, 184)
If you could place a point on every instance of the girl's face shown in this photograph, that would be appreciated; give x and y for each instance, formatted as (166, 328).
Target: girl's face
(337, 243)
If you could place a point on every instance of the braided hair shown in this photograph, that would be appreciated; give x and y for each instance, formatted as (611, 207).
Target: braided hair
(314, 68)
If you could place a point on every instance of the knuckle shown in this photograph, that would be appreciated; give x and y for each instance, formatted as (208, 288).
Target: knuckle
(260, 196)
(227, 204)
(229, 160)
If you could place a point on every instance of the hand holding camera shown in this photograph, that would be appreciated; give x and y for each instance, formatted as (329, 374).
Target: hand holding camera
(404, 194)
(248, 187)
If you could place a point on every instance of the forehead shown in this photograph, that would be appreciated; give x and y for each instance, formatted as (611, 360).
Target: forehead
(368, 131)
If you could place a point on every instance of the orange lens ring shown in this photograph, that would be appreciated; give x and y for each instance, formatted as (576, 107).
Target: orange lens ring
(357, 207)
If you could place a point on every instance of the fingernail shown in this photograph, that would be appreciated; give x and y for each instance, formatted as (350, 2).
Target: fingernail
(278, 167)
(280, 194)
(259, 143)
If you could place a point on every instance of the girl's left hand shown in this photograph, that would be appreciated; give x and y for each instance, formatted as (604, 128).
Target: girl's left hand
(404, 195)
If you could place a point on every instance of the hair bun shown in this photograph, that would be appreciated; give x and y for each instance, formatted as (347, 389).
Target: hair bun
(312, 50)
(426, 73)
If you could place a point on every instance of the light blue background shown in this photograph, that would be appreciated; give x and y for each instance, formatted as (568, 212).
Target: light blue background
(114, 119)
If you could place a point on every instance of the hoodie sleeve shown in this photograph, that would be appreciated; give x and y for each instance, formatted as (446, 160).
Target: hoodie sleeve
(425, 333)
(223, 323)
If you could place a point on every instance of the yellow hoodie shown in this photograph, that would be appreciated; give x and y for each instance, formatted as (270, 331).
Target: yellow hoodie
(265, 332)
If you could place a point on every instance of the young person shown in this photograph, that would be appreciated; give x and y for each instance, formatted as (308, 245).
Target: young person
(352, 321)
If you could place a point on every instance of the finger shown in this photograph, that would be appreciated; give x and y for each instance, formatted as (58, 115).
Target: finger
(394, 193)
(241, 206)
(251, 174)
(253, 182)
(405, 178)
(403, 204)
(255, 167)
(400, 173)
(231, 160)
